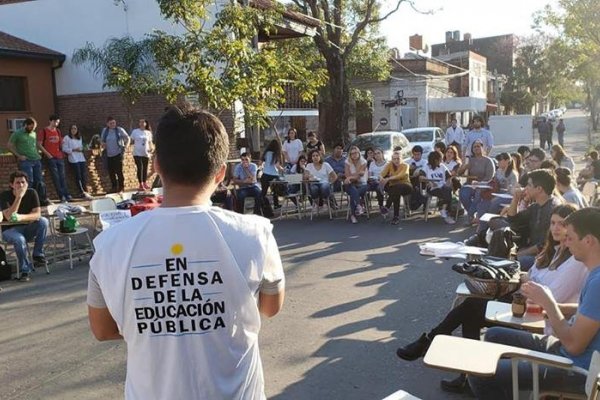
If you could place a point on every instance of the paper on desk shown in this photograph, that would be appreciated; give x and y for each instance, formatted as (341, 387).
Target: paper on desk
(449, 249)
(487, 216)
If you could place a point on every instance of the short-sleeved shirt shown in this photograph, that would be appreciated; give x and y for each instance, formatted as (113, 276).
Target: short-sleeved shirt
(269, 167)
(322, 174)
(244, 173)
(589, 306)
(354, 169)
(337, 165)
(142, 140)
(481, 134)
(51, 140)
(29, 201)
(115, 140)
(376, 170)
(26, 144)
(438, 174)
(293, 148)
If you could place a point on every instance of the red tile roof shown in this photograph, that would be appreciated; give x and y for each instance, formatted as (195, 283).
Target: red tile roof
(16, 47)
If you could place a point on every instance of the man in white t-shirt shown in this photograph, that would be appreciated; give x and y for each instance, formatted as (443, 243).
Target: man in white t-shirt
(184, 285)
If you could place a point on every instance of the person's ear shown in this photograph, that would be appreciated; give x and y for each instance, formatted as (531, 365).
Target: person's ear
(220, 175)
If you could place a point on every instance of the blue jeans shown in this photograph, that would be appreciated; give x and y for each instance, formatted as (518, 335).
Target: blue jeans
(33, 169)
(499, 387)
(320, 190)
(19, 235)
(57, 169)
(80, 169)
(355, 192)
(249, 191)
(471, 200)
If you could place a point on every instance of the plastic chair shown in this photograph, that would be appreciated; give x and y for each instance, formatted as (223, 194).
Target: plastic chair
(69, 235)
(590, 192)
(401, 395)
(299, 197)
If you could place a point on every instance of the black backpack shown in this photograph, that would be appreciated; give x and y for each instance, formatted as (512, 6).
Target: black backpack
(502, 243)
(5, 269)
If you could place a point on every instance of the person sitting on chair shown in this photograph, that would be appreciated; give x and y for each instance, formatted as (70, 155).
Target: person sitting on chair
(244, 176)
(21, 206)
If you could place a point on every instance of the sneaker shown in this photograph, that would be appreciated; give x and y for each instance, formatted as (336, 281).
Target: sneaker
(359, 210)
(444, 213)
(141, 188)
(383, 210)
(353, 219)
(69, 197)
(395, 221)
(39, 261)
(414, 350)
(25, 277)
(449, 220)
(63, 199)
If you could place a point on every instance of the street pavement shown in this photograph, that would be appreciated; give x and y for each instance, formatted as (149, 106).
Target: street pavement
(354, 294)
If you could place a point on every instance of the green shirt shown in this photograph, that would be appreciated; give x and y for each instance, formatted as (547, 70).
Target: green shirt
(25, 144)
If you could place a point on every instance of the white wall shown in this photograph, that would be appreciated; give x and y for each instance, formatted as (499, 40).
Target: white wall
(66, 25)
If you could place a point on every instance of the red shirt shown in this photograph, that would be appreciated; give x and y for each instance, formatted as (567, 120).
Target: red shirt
(51, 140)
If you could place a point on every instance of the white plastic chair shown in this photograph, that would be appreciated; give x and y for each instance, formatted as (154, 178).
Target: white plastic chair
(299, 197)
(401, 395)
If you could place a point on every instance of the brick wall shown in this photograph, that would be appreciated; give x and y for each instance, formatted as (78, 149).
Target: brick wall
(98, 181)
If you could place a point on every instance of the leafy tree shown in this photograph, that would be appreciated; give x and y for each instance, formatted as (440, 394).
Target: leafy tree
(123, 64)
(351, 48)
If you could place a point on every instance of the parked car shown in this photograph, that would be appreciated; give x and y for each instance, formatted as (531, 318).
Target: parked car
(425, 137)
(386, 140)
(556, 113)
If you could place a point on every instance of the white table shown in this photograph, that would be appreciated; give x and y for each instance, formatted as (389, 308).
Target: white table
(501, 314)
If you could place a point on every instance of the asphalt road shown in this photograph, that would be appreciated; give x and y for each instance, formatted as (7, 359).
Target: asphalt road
(354, 293)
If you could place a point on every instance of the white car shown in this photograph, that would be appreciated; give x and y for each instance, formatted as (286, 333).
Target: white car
(425, 137)
(385, 140)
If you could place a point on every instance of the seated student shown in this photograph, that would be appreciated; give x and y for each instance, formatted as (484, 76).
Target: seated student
(323, 174)
(524, 151)
(452, 159)
(338, 162)
(533, 161)
(436, 171)
(559, 155)
(518, 163)
(440, 146)
(355, 183)
(570, 193)
(374, 176)
(481, 170)
(244, 176)
(554, 268)
(591, 170)
(575, 327)
(396, 182)
(415, 164)
(21, 204)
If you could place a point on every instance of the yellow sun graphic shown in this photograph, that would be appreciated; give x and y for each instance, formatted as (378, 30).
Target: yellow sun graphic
(177, 248)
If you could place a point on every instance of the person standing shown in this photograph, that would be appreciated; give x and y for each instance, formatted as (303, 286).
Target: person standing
(550, 133)
(50, 140)
(542, 127)
(24, 145)
(141, 138)
(219, 286)
(73, 148)
(292, 148)
(114, 140)
(455, 135)
(560, 130)
(478, 132)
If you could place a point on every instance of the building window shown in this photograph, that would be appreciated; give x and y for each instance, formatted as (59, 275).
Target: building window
(12, 93)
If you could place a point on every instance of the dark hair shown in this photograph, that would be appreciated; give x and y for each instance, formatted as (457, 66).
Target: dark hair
(311, 133)
(341, 145)
(585, 222)
(478, 118)
(53, 117)
(544, 179)
(77, 133)
(274, 147)
(30, 121)
(563, 176)
(146, 124)
(109, 118)
(17, 174)
(434, 159)
(440, 146)
(522, 150)
(367, 151)
(538, 153)
(511, 164)
(544, 258)
(549, 164)
(417, 149)
(299, 167)
(245, 154)
(313, 152)
(482, 146)
(288, 134)
(191, 146)
(560, 153)
(593, 155)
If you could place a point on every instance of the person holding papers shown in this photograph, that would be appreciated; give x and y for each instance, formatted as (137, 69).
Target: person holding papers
(480, 171)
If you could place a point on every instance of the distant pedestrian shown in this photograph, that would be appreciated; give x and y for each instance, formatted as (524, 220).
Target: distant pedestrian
(455, 135)
(550, 134)
(543, 131)
(143, 146)
(50, 140)
(114, 141)
(560, 129)
(73, 147)
(478, 133)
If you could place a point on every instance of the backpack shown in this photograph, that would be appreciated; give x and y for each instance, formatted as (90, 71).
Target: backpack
(5, 269)
(120, 141)
(502, 243)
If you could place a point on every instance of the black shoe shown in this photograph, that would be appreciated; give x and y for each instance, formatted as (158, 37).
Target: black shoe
(25, 277)
(395, 221)
(459, 384)
(39, 262)
(415, 349)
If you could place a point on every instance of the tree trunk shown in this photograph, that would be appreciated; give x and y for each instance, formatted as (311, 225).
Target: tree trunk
(335, 105)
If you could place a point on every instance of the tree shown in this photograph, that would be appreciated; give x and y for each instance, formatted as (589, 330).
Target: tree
(349, 44)
(123, 64)
(222, 61)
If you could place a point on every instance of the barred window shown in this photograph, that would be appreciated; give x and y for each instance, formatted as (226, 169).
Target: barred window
(12, 93)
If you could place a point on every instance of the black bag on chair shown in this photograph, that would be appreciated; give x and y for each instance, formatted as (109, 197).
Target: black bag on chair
(5, 269)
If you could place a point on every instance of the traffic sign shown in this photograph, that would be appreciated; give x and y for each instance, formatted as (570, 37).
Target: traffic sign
(401, 102)
(383, 121)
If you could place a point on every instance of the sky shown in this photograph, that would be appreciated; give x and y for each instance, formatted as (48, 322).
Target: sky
(481, 18)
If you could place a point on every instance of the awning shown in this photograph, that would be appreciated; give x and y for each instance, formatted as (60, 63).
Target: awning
(456, 104)
(297, 112)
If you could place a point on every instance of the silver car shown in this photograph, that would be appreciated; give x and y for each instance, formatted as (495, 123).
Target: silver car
(425, 137)
(385, 140)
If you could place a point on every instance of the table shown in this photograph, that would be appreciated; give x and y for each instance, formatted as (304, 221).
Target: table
(479, 358)
(501, 314)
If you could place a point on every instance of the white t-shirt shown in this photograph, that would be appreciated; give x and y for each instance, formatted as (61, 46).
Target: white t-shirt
(354, 170)
(438, 174)
(451, 165)
(182, 285)
(142, 139)
(68, 145)
(375, 170)
(322, 175)
(293, 149)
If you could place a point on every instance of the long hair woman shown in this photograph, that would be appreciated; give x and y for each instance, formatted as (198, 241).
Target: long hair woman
(73, 146)
(271, 159)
